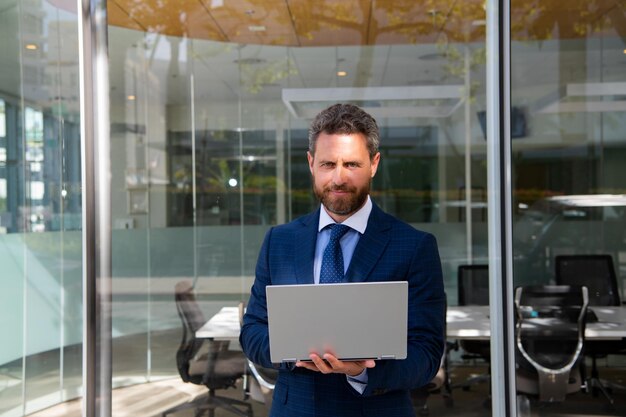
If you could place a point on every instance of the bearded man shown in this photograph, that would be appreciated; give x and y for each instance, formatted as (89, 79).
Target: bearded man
(343, 158)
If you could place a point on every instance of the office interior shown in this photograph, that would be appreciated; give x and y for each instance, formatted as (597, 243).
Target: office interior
(210, 102)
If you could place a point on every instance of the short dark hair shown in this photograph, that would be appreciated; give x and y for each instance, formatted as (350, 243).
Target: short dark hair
(345, 119)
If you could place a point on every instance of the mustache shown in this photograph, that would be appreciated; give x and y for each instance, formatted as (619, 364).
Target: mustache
(344, 188)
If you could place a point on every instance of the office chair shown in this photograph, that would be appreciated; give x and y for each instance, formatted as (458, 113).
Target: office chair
(261, 386)
(205, 361)
(473, 289)
(439, 384)
(597, 273)
(549, 336)
(260, 381)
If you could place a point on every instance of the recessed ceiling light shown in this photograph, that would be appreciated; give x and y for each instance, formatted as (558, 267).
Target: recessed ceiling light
(31, 46)
(130, 97)
(624, 51)
(341, 73)
(256, 28)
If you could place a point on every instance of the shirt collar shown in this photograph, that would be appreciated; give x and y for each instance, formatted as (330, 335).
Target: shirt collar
(358, 221)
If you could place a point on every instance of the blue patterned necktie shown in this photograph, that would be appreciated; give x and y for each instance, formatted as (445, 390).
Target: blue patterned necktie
(332, 260)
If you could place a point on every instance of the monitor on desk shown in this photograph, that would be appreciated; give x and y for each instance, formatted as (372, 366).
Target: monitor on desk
(354, 321)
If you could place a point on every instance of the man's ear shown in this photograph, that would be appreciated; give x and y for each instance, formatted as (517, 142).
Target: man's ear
(311, 159)
(374, 162)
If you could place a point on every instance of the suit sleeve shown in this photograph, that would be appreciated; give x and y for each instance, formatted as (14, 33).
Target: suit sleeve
(254, 336)
(426, 321)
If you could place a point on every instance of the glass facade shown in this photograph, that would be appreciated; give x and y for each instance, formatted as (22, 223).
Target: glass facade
(568, 85)
(209, 109)
(209, 143)
(40, 203)
(569, 161)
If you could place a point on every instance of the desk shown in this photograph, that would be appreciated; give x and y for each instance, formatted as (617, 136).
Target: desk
(222, 326)
(463, 322)
(472, 322)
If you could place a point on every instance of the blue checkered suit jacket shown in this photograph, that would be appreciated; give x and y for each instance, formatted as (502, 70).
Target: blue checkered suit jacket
(389, 250)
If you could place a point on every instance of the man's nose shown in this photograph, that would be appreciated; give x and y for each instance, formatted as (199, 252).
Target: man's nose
(339, 174)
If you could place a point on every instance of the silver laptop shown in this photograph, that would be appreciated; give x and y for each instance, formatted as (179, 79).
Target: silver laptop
(366, 320)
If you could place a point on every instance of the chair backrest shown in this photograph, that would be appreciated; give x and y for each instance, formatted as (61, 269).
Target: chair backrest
(596, 272)
(550, 334)
(192, 319)
(473, 285)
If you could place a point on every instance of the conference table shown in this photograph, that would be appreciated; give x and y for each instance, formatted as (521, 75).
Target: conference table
(472, 322)
(463, 322)
(222, 326)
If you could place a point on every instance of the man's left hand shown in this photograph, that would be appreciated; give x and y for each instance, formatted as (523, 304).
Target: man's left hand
(329, 364)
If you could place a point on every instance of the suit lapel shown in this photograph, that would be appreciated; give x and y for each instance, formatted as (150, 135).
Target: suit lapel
(304, 248)
(370, 247)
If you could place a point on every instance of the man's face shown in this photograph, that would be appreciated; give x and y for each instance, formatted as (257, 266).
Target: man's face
(342, 171)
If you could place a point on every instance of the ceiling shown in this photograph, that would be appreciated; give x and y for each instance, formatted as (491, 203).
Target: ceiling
(358, 22)
(231, 63)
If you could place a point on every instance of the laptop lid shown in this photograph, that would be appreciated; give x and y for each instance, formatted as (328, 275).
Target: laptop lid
(365, 320)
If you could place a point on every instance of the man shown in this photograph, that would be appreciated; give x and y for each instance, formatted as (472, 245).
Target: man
(343, 158)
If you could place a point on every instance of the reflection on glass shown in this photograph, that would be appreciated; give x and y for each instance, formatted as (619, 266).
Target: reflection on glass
(568, 198)
(40, 207)
(210, 134)
(209, 118)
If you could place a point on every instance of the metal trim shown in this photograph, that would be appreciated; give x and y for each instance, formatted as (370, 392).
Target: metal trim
(96, 200)
(499, 203)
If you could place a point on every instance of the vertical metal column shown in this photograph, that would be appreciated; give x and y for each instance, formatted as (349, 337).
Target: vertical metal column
(96, 212)
(500, 212)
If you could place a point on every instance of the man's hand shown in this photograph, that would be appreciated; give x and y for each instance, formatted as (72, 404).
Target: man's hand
(330, 364)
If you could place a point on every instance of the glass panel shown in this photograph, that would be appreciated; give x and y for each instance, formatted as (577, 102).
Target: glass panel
(13, 289)
(568, 89)
(209, 139)
(40, 207)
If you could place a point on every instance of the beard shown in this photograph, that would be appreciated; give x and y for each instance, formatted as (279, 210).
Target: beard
(342, 205)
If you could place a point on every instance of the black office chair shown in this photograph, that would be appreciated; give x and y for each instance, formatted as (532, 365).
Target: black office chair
(473, 285)
(439, 384)
(597, 273)
(473, 290)
(549, 335)
(206, 362)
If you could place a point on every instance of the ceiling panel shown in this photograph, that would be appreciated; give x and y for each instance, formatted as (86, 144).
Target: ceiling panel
(559, 19)
(356, 22)
(400, 22)
(254, 21)
(119, 17)
(170, 17)
(331, 22)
